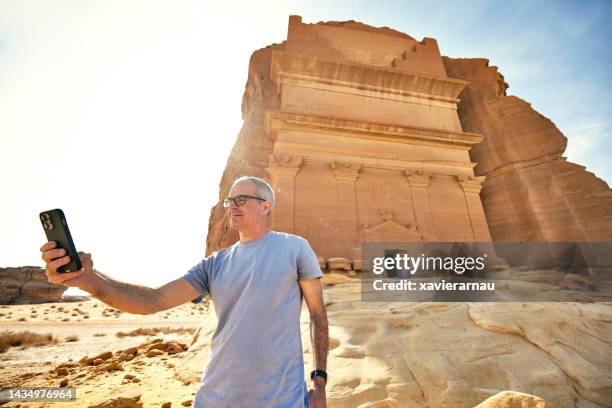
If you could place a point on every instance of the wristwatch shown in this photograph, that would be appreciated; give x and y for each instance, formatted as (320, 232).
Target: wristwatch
(319, 373)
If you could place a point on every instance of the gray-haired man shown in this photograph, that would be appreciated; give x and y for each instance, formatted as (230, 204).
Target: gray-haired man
(257, 286)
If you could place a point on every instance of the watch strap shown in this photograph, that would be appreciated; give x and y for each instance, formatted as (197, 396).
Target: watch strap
(318, 373)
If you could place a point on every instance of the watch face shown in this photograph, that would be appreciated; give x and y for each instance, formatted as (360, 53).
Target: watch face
(318, 373)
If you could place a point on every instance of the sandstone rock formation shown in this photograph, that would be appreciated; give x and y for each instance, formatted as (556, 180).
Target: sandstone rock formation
(367, 134)
(27, 284)
(511, 399)
(531, 192)
(357, 129)
(452, 355)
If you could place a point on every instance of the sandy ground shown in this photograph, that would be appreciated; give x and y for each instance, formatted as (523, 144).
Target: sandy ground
(95, 324)
(419, 354)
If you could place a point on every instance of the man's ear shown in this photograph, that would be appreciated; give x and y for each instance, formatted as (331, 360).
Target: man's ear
(269, 208)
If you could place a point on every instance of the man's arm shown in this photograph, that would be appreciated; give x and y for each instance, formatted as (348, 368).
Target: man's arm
(124, 296)
(319, 336)
(140, 299)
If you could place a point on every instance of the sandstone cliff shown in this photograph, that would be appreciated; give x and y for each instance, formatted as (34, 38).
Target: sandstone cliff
(250, 153)
(27, 284)
(531, 192)
(448, 354)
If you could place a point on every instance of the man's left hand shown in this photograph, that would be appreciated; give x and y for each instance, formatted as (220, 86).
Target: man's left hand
(317, 394)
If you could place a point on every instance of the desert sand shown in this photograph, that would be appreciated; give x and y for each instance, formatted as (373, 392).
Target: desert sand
(425, 354)
(96, 324)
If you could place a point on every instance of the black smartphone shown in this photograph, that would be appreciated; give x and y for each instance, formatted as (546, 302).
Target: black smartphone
(56, 228)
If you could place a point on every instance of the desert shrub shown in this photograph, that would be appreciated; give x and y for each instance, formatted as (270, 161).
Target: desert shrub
(24, 339)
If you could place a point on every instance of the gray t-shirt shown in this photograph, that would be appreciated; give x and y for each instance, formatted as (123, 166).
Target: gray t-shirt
(256, 351)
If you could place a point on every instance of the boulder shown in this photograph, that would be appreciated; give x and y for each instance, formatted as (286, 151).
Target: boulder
(512, 399)
(120, 398)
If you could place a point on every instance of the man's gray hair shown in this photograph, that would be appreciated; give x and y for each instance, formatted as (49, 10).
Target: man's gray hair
(264, 189)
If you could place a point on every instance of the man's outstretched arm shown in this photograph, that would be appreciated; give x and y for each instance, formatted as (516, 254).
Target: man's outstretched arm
(124, 296)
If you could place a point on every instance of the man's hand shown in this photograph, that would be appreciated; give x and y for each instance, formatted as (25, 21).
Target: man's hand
(56, 257)
(317, 393)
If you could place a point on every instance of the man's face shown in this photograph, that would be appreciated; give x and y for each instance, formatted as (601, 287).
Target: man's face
(252, 213)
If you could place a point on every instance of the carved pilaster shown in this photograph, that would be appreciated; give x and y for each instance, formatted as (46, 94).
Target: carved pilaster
(472, 186)
(282, 170)
(419, 182)
(346, 176)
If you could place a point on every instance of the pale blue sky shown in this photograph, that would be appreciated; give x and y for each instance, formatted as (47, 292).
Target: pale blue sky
(123, 113)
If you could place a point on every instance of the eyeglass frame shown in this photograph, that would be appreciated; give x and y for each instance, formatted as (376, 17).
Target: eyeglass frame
(227, 202)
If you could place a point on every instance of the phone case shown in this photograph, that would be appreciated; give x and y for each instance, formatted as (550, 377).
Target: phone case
(56, 229)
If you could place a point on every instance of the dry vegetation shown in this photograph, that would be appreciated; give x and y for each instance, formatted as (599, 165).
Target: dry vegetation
(151, 331)
(24, 339)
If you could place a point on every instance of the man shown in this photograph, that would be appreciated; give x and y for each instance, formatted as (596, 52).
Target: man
(257, 286)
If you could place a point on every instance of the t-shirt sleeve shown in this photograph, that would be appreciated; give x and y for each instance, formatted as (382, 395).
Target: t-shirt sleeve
(308, 265)
(198, 277)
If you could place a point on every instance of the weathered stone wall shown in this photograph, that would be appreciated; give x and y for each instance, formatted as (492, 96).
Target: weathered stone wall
(531, 192)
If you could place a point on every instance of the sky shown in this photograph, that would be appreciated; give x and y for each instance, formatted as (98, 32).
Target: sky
(123, 113)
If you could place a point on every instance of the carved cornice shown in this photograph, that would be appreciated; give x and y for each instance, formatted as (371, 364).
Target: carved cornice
(346, 171)
(280, 120)
(363, 77)
(417, 179)
(284, 165)
(471, 184)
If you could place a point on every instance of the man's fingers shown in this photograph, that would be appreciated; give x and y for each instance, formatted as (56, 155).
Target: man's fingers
(52, 266)
(66, 277)
(84, 255)
(86, 260)
(52, 254)
(47, 246)
(70, 275)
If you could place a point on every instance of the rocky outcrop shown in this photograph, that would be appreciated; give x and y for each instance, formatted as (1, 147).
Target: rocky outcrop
(439, 354)
(120, 398)
(452, 355)
(249, 156)
(531, 192)
(27, 284)
(511, 399)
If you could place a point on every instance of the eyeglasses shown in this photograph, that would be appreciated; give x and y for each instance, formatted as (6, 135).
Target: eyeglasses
(239, 200)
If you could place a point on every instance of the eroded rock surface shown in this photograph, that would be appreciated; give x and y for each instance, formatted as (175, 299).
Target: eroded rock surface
(531, 192)
(27, 284)
(452, 354)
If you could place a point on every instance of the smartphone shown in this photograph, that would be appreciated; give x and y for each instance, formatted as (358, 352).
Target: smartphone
(56, 228)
